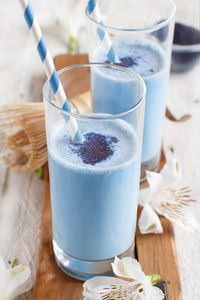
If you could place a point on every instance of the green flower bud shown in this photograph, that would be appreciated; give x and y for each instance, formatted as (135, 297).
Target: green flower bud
(154, 278)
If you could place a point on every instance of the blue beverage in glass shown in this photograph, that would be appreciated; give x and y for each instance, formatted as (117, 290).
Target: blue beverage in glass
(140, 34)
(94, 204)
(148, 60)
(94, 184)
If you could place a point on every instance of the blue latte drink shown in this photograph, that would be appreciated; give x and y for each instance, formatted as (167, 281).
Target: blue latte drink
(94, 189)
(148, 60)
(94, 183)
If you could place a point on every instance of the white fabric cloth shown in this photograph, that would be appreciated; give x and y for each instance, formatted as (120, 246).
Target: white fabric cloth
(22, 78)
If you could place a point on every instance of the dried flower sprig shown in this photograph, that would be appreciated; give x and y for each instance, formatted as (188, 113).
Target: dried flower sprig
(168, 198)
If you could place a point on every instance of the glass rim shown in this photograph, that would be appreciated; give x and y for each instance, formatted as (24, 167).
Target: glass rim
(149, 28)
(95, 116)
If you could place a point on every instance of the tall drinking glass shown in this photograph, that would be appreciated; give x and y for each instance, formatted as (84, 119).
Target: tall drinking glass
(141, 34)
(94, 184)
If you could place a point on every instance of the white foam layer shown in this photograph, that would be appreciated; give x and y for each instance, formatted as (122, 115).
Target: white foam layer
(148, 57)
(125, 151)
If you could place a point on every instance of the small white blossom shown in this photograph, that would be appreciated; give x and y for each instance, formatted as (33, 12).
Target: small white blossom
(13, 280)
(167, 197)
(139, 288)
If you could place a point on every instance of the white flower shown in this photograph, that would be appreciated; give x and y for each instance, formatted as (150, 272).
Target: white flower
(13, 280)
(139, 288)
(167, 198)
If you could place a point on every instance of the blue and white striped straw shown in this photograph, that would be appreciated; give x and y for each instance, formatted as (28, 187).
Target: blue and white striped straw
(50, 68)
(93, 10)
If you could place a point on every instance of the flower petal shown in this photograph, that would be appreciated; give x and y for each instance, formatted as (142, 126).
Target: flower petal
(119, 269)
(3, 277)
(16, 281)
(144, 196)
(153, 293)
(129, 268)
(108, 288)
(2, 265)
(154, 180)
(95, 282)
(149, 221)
(171, 171)
(186, 220)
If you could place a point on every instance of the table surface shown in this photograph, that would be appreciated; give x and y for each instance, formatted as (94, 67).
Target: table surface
(22, 78)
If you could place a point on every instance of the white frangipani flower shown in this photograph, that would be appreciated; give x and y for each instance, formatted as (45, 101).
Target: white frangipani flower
(139, 288)
(13, 280)
(168, 198)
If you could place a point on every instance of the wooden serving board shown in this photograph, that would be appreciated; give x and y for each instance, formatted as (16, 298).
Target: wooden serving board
(156, 253)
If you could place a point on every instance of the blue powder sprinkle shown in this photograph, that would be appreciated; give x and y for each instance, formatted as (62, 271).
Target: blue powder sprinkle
(126, 62)
(95, 148)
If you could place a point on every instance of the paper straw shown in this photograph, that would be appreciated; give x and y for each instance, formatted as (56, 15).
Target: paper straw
(93, 10)
(49, 68)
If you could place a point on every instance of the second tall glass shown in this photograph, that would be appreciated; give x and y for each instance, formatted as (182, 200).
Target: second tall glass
(141, 35)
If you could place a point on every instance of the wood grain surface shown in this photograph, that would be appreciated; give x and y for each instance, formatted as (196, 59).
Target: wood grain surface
(64, 60)
(157, 254)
